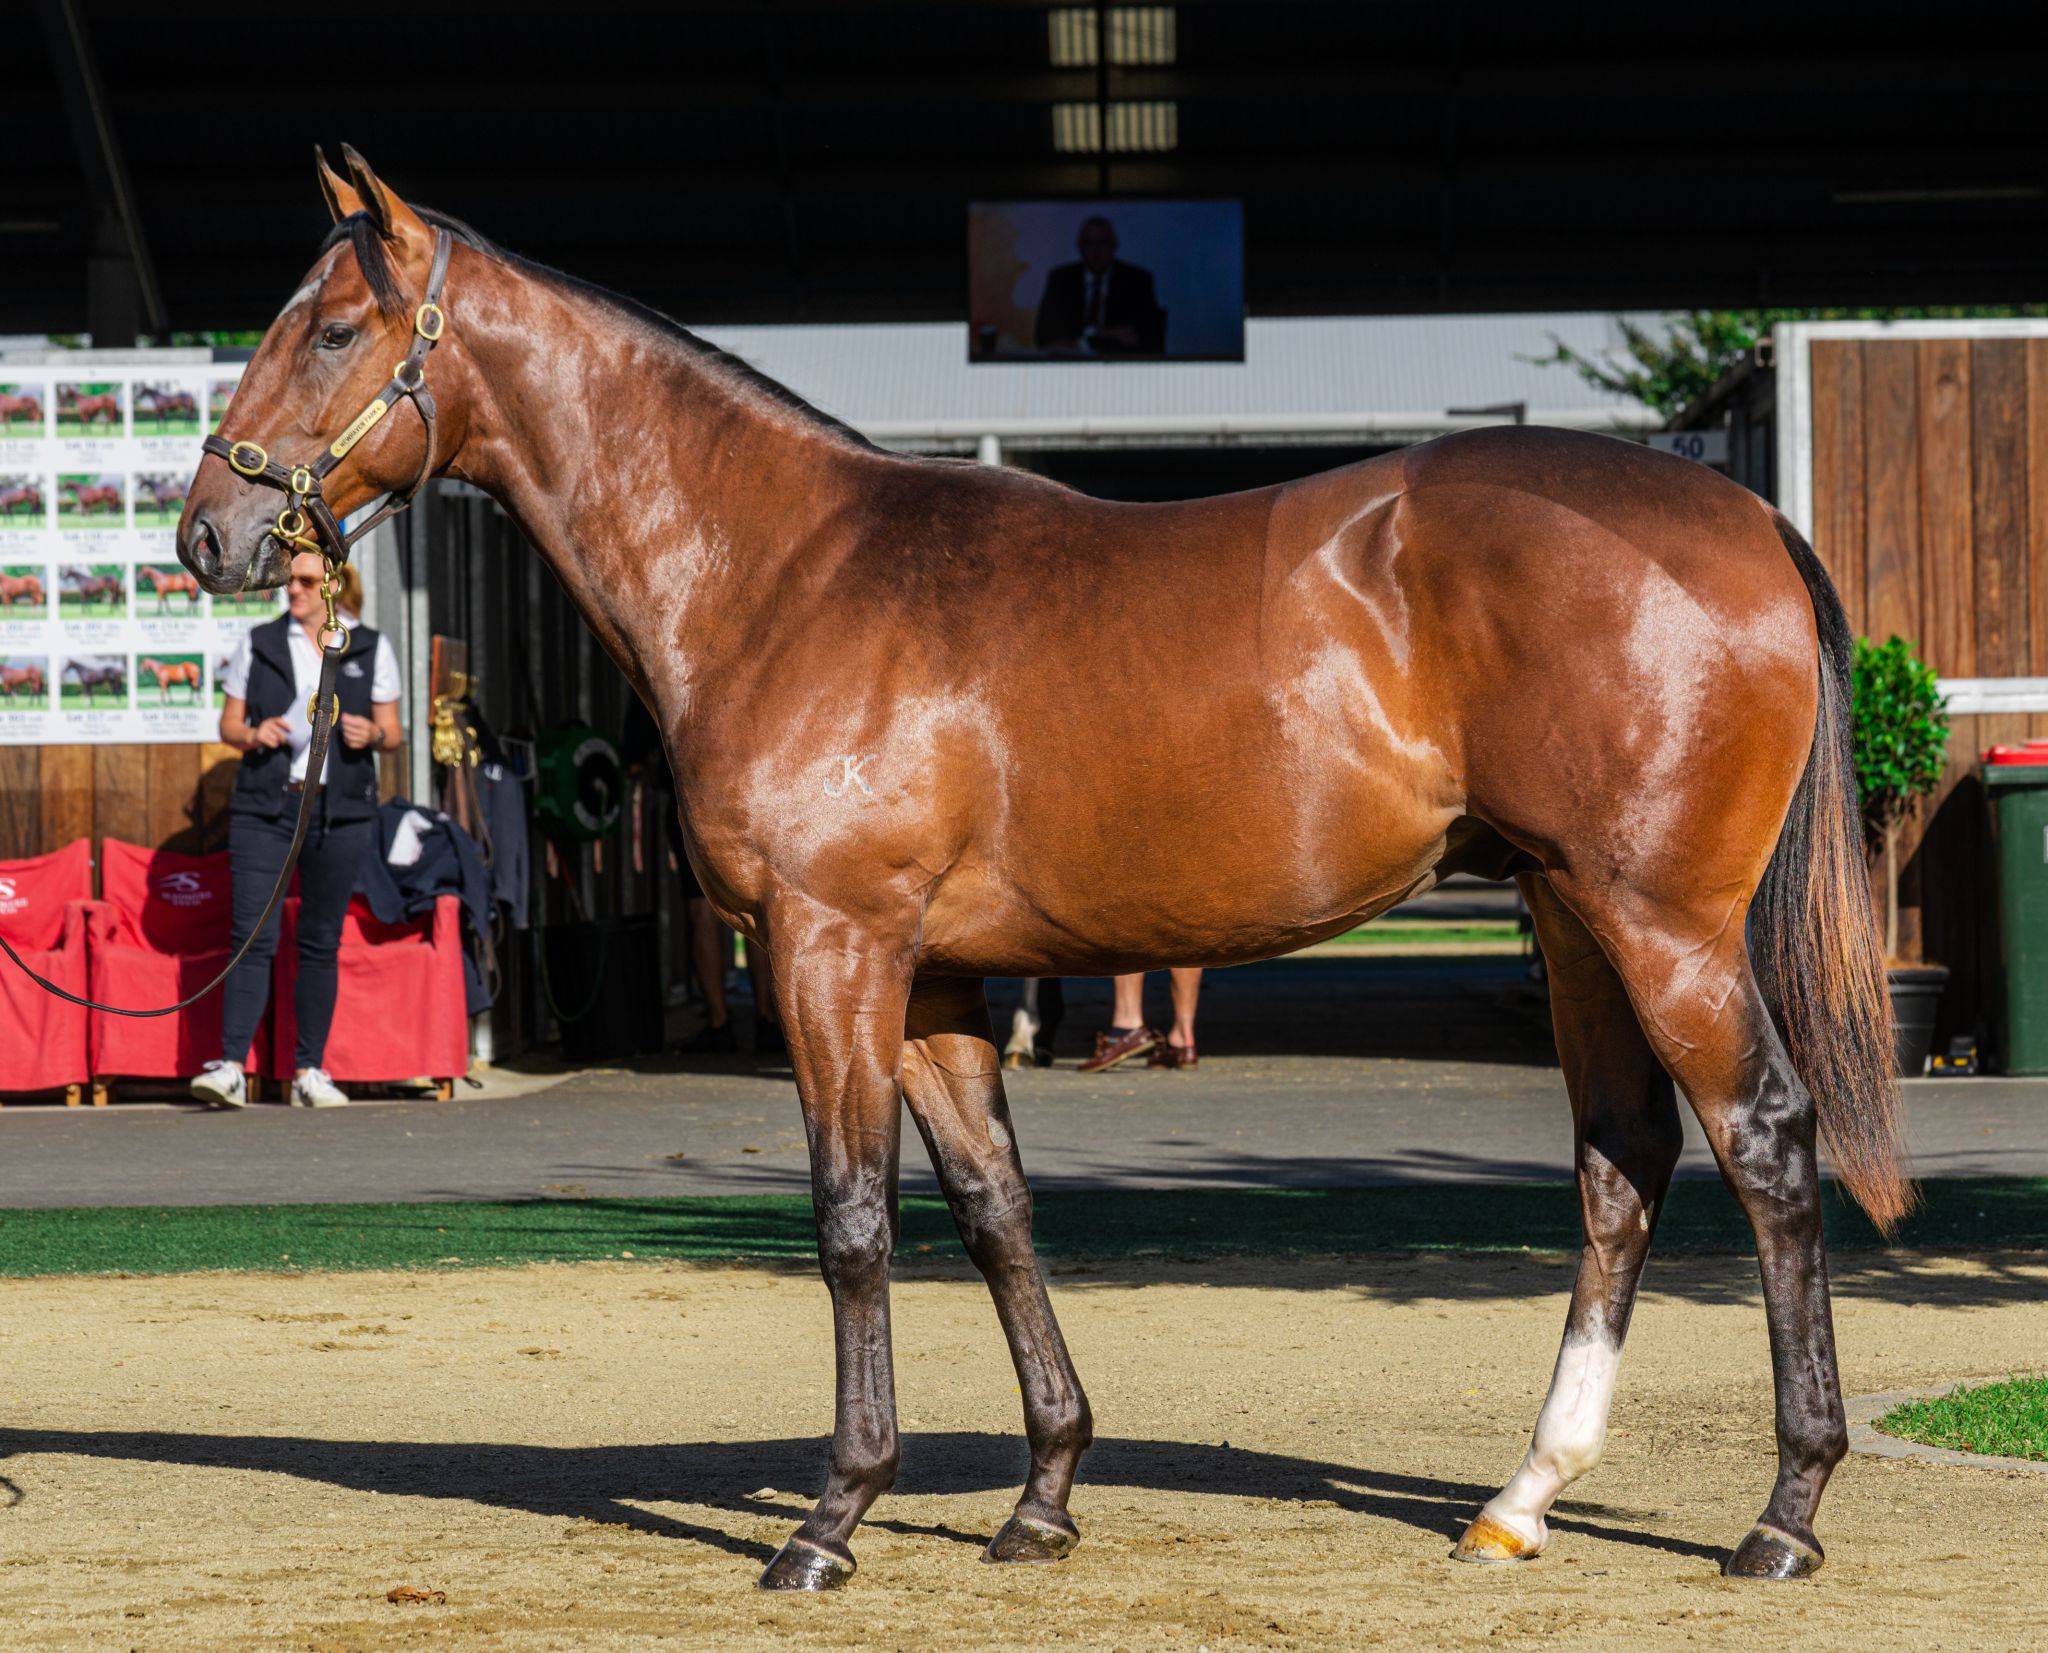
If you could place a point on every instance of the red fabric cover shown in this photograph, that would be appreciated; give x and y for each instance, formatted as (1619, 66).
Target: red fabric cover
(160, 932)
(33, 894)
(43, 903)
(400, 1009)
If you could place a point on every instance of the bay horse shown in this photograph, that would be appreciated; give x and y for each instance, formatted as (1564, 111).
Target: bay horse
(15, 588)
(166, 403)
(27, 680)
(89, 587)
(1608, 673)
(169, 582)
(168, 672)
(88, 497)
(98, 672)
(17, 404)
(104, 404)
(24, 496)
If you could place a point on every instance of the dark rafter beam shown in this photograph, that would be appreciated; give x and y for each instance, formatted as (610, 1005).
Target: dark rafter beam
(99, 150)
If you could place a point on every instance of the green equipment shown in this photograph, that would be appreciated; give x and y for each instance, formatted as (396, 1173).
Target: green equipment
(580, 786)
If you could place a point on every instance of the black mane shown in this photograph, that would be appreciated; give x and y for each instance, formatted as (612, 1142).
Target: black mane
(361, 234)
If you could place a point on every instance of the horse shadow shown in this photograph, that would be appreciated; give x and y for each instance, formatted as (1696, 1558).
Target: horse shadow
(611, 1484)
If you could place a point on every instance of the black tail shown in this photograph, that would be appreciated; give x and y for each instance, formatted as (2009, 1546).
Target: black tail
(1814, 939)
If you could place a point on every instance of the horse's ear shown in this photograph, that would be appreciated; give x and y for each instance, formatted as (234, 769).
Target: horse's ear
(395, 220)
(338, 191)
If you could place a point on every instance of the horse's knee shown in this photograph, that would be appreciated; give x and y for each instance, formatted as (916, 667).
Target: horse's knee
(856, 1235)
(994, 1219)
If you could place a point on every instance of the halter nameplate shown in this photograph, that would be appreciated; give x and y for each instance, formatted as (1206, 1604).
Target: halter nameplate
(359, 427)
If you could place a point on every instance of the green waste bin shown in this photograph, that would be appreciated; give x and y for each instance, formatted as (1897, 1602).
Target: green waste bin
(2019, 804)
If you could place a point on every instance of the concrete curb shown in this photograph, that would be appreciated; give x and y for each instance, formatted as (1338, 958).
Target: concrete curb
(1864, 1410)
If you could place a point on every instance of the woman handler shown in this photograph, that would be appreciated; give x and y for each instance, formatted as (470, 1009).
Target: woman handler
(269, 681)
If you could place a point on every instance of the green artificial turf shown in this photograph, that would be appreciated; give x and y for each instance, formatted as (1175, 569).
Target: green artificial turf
(1463, 935)
(1959, 1214)
(2006, 1420)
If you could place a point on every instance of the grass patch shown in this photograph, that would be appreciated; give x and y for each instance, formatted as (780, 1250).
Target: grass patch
(1435, 934)
(2005, 1420)
(1960, 1215)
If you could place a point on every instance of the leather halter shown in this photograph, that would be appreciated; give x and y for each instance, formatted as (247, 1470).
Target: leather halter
(306, 506)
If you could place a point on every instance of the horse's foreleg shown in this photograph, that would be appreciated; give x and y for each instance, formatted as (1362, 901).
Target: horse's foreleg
(1627, 1138)
(842, 995)
(955, 1091)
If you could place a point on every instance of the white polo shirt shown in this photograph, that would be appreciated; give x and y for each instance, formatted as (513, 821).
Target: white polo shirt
(384, 683)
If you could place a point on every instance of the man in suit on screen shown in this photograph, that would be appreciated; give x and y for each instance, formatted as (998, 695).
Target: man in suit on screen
(1101, 304)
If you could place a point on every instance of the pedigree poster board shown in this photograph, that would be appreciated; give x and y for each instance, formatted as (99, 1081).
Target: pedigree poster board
(104, 636)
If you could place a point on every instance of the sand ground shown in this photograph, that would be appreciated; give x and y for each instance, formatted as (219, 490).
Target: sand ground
(602, 1456)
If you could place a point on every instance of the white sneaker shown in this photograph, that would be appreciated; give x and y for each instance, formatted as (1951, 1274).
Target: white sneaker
(222, 1084)
(313, 1089)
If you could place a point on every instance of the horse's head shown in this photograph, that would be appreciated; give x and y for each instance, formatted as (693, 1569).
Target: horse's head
(308, 389)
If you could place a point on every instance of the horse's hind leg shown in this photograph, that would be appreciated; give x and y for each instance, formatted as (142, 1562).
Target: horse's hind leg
(1688, 972)
(1625, 1125)
(954, 1087)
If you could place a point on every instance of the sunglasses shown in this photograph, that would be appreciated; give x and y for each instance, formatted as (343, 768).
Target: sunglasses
(304, 582)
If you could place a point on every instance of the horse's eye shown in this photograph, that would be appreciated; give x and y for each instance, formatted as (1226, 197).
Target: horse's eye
(337, 336)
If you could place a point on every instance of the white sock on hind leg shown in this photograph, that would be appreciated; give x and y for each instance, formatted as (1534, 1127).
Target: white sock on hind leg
(1570, 1432)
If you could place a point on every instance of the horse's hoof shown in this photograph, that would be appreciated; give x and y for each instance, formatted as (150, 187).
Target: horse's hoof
(1771, 1553)
(1488, 1540)
(807, 1564)
(1033, 1538)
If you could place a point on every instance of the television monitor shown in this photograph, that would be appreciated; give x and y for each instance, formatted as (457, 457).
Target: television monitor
(1105, 281)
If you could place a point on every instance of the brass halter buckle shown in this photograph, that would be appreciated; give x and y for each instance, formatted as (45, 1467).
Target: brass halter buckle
(244, 466)
(313, 710)
(431, 332)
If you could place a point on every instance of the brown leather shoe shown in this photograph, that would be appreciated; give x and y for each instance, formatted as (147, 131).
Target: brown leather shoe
(1167, 1054)
(1119, 1045)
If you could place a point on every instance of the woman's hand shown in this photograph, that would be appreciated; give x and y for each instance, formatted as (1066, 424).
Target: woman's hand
(271, 733)
(358, 732)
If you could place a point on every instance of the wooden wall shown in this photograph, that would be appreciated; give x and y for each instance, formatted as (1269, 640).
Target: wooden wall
(171, 797)
(168, 797)
(1930, 489)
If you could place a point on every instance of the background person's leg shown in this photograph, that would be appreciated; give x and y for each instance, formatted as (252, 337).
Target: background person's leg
(256, 850)
(1129, 1009)
(708, 955)
(1187, 988)
(327, 878)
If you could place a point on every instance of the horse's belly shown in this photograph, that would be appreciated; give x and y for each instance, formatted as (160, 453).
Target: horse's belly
(1215, 868)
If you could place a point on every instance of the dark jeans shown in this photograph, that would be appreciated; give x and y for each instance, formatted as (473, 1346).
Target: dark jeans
(327, 875)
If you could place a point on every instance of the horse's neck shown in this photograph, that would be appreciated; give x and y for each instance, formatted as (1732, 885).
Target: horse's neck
(668, 495)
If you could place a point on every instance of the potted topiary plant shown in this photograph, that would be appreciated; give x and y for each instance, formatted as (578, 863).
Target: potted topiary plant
(1900, 722)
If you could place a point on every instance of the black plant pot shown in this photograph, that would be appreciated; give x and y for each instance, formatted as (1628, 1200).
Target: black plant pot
(1916, 995)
